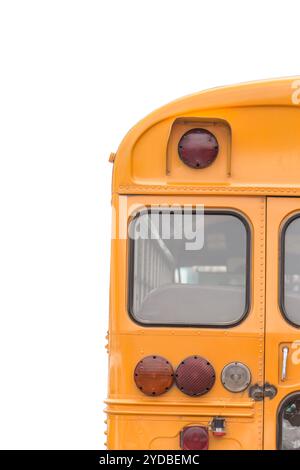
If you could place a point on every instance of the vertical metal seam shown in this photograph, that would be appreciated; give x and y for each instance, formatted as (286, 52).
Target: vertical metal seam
(262, 293)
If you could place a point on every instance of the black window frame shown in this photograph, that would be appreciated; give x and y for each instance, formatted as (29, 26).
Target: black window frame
(248, 283)
(282, 269)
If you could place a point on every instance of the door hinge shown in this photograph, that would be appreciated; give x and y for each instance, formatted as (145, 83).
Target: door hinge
(258, 392)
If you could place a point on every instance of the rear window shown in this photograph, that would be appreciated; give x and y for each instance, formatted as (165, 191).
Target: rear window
(290, 301)
(288, 437)
(172, 284)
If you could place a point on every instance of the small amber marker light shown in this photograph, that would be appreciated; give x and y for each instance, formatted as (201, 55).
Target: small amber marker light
(198, 148)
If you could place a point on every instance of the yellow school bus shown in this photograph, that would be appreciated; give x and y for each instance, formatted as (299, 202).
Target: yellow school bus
(204, 329)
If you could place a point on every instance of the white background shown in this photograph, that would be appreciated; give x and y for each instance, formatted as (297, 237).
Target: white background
(74, 77)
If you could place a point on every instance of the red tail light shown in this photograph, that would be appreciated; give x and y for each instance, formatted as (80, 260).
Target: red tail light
(194, 438)
(198, 148)
(195, 376)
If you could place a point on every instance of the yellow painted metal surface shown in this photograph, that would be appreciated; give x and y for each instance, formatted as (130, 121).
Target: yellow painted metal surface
(258, 129)
(279, 332)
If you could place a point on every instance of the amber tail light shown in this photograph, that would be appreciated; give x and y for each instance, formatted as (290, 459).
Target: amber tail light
(194, 438)
(154, 375)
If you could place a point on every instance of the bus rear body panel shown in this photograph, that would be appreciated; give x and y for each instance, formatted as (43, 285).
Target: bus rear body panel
(204, 340)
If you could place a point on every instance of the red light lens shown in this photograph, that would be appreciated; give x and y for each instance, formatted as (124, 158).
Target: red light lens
(195, 376)
(154, 375)
(198, 148)
(194, 438)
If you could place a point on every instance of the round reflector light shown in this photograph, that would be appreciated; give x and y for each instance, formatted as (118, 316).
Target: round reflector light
(154, 375)
(195, 376)
(194, 438)
(236, 377)
(198, 148)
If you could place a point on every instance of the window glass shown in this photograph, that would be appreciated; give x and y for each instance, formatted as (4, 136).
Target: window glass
(175, 282)
(289, 424)
(291, 271)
